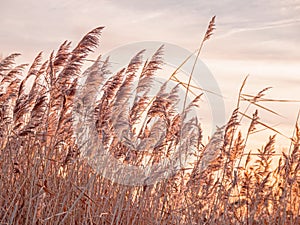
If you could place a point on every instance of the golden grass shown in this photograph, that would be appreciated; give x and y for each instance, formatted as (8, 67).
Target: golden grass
(44, 181)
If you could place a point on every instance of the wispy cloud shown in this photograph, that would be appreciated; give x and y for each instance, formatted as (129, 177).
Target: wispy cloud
(264, 26)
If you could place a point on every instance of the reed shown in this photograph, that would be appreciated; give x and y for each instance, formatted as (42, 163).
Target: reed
(43, 179)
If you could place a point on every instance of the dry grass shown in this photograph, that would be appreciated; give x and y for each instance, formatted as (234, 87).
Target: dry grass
(43, 181)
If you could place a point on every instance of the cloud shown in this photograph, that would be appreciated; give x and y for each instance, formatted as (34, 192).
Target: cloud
(248, 29)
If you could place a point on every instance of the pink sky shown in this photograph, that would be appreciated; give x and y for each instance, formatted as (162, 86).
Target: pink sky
(259, 38)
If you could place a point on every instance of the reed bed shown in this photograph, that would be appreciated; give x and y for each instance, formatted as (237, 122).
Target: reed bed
(44, 179)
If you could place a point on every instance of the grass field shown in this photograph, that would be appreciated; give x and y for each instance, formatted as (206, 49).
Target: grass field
(44, 179)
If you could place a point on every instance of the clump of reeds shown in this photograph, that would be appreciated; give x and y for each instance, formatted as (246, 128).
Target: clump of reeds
(42, 180)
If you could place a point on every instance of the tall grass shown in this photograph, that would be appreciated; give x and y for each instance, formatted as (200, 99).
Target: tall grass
(43, 179)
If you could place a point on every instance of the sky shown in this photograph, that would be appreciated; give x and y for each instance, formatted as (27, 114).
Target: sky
(256, 38)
